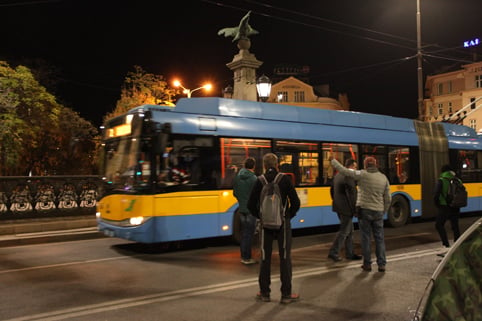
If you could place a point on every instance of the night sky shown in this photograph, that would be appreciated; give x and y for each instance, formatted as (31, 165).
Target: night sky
(364, 48)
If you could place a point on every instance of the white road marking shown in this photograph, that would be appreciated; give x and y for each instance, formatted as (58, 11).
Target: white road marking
(185, 293)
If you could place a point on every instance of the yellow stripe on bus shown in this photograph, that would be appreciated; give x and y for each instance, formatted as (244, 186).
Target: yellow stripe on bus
(120, 207)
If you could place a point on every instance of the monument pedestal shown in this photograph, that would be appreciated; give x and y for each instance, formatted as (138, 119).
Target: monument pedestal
(244, 66)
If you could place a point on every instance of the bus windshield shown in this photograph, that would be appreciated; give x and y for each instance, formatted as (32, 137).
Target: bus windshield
(127, 166)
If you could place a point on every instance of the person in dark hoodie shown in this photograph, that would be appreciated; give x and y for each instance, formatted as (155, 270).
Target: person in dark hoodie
(445, 212)
(291, 203)
(243, 183)
(344, 193)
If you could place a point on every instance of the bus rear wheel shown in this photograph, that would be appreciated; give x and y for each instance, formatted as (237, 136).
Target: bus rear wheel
(399, 211)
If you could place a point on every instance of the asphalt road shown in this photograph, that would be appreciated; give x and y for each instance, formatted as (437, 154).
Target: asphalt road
(113, 279)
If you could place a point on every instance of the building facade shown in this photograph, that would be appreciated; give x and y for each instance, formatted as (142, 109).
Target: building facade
(292, 91)
(455, 96)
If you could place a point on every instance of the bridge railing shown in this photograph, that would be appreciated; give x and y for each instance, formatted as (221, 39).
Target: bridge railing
(48, 196)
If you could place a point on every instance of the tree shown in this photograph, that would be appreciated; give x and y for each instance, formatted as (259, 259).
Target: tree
(141, 88)
(38, 135)
(11, 147)
(78, 145)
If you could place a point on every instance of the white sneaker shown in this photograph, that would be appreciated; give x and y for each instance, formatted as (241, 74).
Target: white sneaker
(442, 251)
(249, 261)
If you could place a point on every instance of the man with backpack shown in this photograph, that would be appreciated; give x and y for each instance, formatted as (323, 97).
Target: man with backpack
(445, 211)
(279, 196)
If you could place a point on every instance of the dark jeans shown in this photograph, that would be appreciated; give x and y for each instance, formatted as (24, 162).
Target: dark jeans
(446, 213)
(371, 222)
(248, 226)
(283, 236)
(344, 235)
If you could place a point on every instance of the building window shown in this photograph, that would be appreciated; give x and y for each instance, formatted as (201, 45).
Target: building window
(449, 87)
(478, 81)
(450, 107)
(472, 103)
(299, 96)
(282, 96)
(473, 124)
(440, 109)
(440, 89)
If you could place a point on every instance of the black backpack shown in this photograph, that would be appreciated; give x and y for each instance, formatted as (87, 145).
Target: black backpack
(456, 193)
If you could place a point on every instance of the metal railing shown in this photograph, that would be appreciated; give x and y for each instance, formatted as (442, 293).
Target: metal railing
(48, 196)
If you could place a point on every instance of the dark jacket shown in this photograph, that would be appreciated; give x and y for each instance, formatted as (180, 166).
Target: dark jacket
(344, 195)
(288, 194)
(242, 185)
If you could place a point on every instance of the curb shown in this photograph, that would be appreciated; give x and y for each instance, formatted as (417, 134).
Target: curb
(48, 230)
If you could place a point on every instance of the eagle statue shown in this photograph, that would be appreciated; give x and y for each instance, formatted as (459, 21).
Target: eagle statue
(243, 31)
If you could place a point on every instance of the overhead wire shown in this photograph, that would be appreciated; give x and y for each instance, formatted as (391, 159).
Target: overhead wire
(345, 33)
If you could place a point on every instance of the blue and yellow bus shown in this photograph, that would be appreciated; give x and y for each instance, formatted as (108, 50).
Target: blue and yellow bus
(169, 170)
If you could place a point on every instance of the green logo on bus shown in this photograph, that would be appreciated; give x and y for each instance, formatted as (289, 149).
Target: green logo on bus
(131, 205)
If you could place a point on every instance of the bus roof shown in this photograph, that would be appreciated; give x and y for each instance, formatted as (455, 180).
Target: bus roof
(268, 111)
(382, 128)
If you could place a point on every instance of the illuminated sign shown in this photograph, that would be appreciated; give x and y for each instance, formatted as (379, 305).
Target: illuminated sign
(471, 43)
(121, 130)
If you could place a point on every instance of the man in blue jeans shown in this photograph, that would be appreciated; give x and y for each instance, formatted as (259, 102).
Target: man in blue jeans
(243, 183)
(373, 200)
(343, 194)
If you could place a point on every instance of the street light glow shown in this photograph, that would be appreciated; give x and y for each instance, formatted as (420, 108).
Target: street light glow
(189, 92)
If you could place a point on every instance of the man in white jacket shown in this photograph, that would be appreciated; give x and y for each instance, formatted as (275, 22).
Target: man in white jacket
(373, 201)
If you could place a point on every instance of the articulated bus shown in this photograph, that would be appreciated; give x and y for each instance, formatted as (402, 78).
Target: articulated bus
(169, 170)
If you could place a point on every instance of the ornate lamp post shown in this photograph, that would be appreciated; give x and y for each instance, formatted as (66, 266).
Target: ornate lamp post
(189, 92)
(263, 84)
(228, 92)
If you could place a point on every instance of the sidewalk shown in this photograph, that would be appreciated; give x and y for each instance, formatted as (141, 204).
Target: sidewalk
(44, 230)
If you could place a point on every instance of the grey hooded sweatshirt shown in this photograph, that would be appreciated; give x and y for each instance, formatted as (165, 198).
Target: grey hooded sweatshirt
(373, 187)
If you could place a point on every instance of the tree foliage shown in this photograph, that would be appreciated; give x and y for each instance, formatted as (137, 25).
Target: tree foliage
(141, 88)
(37, 134)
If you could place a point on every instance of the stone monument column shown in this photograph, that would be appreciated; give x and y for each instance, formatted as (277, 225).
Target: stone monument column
(244, 64)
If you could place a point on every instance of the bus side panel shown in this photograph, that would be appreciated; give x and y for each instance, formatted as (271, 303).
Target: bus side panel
(315, 208)
(474, 191)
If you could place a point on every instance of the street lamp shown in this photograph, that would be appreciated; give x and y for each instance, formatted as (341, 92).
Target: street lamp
(263, 84)
(189, 92)
(228, 92)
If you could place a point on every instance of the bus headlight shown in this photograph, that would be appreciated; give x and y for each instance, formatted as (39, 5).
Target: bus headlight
(136, 220)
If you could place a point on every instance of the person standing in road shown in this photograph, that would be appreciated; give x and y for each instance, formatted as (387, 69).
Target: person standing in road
(373, 200)
(445, 212)
(242, 186)
(344, 204)
(291, 204)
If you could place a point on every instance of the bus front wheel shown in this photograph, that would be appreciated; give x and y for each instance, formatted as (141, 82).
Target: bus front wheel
(399, 211)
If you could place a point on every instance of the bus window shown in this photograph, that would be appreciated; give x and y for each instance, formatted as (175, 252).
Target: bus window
(190, 161)
(339, 151)
(468, 166)
(234, 152)
(286, 166)
(377, 151)
(399, 165)
(299, 160)
(308, 165)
